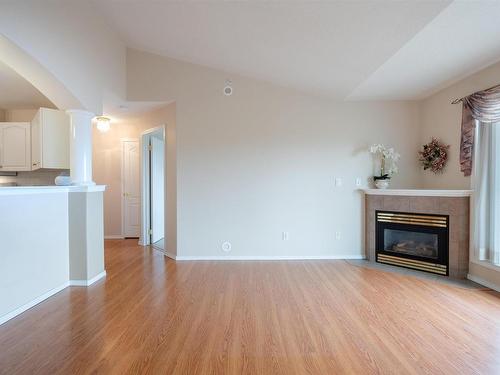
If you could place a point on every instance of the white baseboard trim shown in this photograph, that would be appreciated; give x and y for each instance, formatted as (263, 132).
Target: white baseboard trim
(30, 304)
(87, 282)
(114, 237)
(481, 281)
(277, 257)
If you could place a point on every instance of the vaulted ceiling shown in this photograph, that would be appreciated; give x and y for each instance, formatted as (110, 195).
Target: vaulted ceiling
(374, 49)
(17, 93)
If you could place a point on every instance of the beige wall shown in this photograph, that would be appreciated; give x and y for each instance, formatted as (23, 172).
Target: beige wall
(442, 119)
(38, 177)
(34, 249)
(85, 228)
(107, 165)
(20, 115)
(263, 160)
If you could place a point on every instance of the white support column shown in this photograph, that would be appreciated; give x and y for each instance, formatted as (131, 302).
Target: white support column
(80, 146)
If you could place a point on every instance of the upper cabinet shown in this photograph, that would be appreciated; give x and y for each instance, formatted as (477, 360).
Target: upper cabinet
(50, 139)
(15, 146)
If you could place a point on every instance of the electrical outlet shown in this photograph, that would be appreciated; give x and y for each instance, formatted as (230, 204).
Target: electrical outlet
(337, 235)
(285, 236)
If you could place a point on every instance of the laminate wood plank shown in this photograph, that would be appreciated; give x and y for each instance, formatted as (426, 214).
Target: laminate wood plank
(155, 316)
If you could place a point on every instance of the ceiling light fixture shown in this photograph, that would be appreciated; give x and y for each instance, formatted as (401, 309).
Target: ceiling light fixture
(103, 123)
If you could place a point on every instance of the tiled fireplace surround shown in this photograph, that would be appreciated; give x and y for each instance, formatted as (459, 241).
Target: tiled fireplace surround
(457, 207)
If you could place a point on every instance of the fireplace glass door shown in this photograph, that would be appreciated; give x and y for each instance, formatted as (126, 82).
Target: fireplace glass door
(411, 243)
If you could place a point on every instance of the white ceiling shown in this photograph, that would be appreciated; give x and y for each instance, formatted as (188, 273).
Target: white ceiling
(348, 49)
(463, 39)
(17, 93)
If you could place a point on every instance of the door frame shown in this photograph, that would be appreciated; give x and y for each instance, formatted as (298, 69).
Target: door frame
(122, 192)
(145, 238)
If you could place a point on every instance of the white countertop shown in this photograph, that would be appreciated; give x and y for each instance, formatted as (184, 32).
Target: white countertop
(419, 192)
(15, 190)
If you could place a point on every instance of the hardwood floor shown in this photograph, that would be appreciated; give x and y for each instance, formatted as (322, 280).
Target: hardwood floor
(153, 315)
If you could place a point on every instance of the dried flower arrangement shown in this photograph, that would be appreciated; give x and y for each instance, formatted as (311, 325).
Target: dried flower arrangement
(434, 155)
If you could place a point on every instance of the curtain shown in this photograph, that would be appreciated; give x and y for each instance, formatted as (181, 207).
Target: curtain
(483, 106)
(486, 185)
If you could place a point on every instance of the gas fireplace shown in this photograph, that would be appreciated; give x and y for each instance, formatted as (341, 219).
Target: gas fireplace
(416, 241)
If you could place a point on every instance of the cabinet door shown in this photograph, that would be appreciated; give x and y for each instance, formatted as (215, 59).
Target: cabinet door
(55, 138)
(15, 147)
(36, 142)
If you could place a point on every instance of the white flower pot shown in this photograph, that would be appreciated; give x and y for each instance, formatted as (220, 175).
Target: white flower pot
(382, 184)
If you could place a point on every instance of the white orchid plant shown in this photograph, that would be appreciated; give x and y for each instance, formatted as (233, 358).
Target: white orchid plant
(388, 159)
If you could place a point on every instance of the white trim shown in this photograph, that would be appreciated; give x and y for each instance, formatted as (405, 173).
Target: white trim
(23, 190)
(86, 188)
(265, 257)
(419, 192)
(145, 238)
(32, 303)
(486, 264)
(484, 282)
(114, 237)
(87, 282)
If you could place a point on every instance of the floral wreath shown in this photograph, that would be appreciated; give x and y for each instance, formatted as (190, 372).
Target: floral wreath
(434, 155)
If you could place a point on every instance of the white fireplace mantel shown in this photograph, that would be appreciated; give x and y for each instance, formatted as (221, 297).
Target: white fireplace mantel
(419, 192)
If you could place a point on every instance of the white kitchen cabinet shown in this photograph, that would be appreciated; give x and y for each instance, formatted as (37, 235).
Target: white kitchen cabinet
(50, 139)
(15, 146)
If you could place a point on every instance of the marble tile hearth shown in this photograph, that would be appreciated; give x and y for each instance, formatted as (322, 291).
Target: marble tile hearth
(454, 203)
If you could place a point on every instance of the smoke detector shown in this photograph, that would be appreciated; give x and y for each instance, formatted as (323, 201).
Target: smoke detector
(228, 89)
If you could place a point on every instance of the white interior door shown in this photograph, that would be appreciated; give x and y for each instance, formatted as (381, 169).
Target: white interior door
(130, 189)
(157, 189)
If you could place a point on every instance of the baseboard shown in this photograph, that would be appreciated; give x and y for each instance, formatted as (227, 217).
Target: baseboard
(114, 237)
(277, 257)
(87, 282)
(30, 304)
(481, 281)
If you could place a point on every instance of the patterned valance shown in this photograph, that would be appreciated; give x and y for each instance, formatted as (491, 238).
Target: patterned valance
(483, 106)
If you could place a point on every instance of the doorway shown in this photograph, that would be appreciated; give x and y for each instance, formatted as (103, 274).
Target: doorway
(131, 201)
(153, 184)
